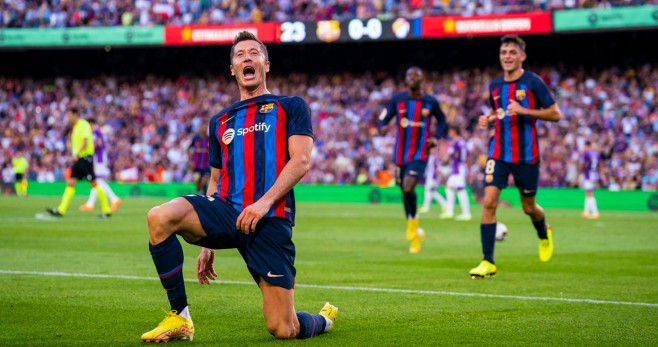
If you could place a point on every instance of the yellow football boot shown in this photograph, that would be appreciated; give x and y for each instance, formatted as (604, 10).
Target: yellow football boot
(485, 269)
(330, 311)
(419, 236)
(412, 226)
(173, 327)
(546, 246)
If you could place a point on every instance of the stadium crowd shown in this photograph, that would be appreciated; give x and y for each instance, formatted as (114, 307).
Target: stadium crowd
(150, 122)
(75, 13)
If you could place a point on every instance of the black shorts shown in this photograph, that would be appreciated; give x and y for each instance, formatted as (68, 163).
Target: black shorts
(19, 177)
(526, 176)
(83, 169)
(414, 169)
(268, 252)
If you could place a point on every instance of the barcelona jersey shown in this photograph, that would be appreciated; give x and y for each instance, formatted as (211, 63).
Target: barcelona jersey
(414, 125)
(249, 145)
(199, 147)
(515, 136)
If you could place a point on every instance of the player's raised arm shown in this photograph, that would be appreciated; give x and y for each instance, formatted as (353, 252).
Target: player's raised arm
(299, 147)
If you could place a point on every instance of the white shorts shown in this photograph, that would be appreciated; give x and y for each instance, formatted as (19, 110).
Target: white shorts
(101, 170)
(456, 181)
(589, 185)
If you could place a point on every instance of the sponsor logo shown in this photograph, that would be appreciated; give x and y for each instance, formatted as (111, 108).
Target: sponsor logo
(269, 274)
(520, 95)
(328, 30)
(404, 122)
(401, 28)
(488, 178)
(266, 108)
(500, 113)
(227, 119)
(228, 136)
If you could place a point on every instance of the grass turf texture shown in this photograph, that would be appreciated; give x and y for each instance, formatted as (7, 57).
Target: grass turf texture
(347, 245)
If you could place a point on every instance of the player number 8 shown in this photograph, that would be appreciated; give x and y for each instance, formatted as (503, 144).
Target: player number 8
(489, 168)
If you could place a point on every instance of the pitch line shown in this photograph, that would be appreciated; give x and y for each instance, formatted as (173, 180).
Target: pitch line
(362, 289)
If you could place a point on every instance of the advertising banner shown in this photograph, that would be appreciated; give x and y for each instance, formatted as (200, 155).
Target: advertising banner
(83, 36)
(454, 26)
(612, 18)
(327, 31)
(216, 34)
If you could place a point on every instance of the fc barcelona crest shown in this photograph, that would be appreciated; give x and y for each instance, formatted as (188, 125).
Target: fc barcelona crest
(520, 95)
(425, 112)
(267, 108)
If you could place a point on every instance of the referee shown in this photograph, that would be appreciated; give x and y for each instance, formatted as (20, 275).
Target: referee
(82, 148)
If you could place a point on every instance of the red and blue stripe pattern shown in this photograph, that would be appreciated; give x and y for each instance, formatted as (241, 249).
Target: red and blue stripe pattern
(515, 136)
(411, 139)
(244, 176)
(200, 153)
(171, 273)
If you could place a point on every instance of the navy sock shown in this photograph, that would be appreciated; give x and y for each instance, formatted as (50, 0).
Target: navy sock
(168, 260)
(411, 203)
(405, 202)
(310, 325)
(541, 228)
(488, 238)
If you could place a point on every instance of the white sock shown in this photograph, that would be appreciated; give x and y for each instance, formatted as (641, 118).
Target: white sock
(106, 188)
(427, 199)
(92, 198)
(185, 313)
(450, 196)
(328, 325)
(586, 205)
(593, 207)
(439, 198)
(463, 202)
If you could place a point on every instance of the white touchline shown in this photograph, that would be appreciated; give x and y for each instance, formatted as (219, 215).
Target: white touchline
(363, 289)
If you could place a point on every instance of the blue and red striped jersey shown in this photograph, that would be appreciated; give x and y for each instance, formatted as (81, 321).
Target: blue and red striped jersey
(515, 136)
(249, 144)
(414, 123)
(199, 153)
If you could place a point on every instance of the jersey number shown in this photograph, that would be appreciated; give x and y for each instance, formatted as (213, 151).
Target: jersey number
(489, 168)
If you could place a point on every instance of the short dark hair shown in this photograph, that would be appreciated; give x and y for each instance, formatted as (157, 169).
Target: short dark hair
(74, 110)
(455, 128)
(248, 36)
(513, 38)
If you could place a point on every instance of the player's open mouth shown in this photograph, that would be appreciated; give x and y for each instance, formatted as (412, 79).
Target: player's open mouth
(249, 72)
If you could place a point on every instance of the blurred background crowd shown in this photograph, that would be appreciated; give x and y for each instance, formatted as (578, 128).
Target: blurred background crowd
(150, 122)
(75, 13)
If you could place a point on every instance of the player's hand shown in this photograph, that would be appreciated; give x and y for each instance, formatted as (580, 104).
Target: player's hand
(431, 142)
(205, 270)
(515, 108)
(251, 215)
(483, 121)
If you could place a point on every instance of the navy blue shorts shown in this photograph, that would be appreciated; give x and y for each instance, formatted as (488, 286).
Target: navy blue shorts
(414, 169)
(268, 252)
(526, 176)
(202, 172)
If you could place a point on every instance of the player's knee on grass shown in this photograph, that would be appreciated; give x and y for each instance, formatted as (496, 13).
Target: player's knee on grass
(283, 331)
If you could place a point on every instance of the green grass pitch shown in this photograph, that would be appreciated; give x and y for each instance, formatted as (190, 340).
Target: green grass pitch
(608, 267)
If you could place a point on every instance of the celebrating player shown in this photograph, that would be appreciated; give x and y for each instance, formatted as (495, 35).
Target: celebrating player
(198, 150)
(101, 169)
(413, 110)
(260, 147)
(82, 147)
(458, 157)
(590, 169)
(518, 99)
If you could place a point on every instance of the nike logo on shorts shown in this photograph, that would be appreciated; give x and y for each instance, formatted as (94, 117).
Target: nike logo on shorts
(527, 191)
(269, 274)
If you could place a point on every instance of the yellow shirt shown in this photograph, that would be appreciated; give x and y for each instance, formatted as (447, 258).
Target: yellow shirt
(82, 131)
(19, 164)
